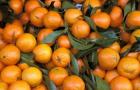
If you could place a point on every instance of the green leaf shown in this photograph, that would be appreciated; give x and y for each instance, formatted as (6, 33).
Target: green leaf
(88, 81)
(74, 65)
(125, 53)
(109, 34)
(133, 5)
(127, 9)
(138, 39)
(52, 37)
(101, 84)
(93, 59)
(88, 87)
(67, 4)
(136, 47)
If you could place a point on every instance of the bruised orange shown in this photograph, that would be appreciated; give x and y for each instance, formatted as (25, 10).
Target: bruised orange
(24, 18)
(136, 83)
(57, 75)
(57, 3)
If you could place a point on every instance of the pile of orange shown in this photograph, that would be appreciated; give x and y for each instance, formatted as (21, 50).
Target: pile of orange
(120, 72)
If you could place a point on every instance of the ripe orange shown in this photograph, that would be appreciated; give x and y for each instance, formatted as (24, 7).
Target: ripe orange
(73, 83)
(10, 54)
(61, 57)
(110, 75)
(132, 19)
(121, 83)
(80, 29)
(50, 65)
(116, 16)
(108, 58)
(10, 74)
(43, 53)
(24, 18)
(57, 3)
(26, 42)
(135, 34)
(1, 66)
(136, 83)
(53, 20)
(11, 32)
(125, 36)
(31, 5)
(36, 16)
(94, 35)
(101, 19)
(40, 87)
(32, 75)
(99, 72)
(43, 33)
(63, 41)
(19, 85)
(3, 86)
(23, 66)
(116, 46)
(57, 75)
(133, 54)
(122, 3)
(129, 67)
(16, 6)
(78, 1)
(80, 64)
(72, 15)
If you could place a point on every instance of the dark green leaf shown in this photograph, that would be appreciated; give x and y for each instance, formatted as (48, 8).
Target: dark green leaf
(125, 53)
(88, 81)
(133, 5)
(138, 39)
(93, 59)
(88, 87)
(52, 37)
(109, 34)
(127, 9)
(74, 65)
(136, 47)
(67, 4)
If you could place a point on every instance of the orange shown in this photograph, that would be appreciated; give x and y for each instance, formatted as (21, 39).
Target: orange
(94, 35)
(121, 83)
(136, 83)
(42, 53)
(73, 82)
(57, 75)
(40, 87)
(122, 3)
(1, 66)
(133, 54)
(129, 67)
(125, 36)
(116, 46)
(10, 54)
(36, 16)
(125, 48)
(52, 20)
(10, 74)
(32, 75)
(50, 65)
(31, 5)
(78, 1)
(23, 66)
(26, 42)
(80, 29)
(24, 18)
(57, 3)
(116, 16)
(72, 15)
(19, 85)
(3, 86)
(80, 64)
(133, 19)
(11, 32)
(44, 33)
(108, 58)
(101, 19)
(2, 42)
(63, 41)
(16, 6)
(110, 75)
(135, 34)
(99, 72)
(17, 22)
(61, 57)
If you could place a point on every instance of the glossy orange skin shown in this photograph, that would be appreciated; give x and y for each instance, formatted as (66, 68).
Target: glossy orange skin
(116, 16)
(43, 53)
(94, 35)
(42, 34)
(121, 83)
(36, 16)
(129, 67)
(110, 75)
(23, 66)
(133, 19)
(72, 15)
(108, 58)
(101, 19)
(122, 3)
(136, 83)
(99, 72)
(40, 87)
(10, 55)
(16, 6)
(61, 57)
(63, 41)
(11, 32)
(57, 3)
(24, 18)
(3, 86)
(80, 29)
(73, 82)
(116, 46)
(23, 42)
(57, 75)
(19, 85)
(31, 5)
(10, 74)
(53, 20)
